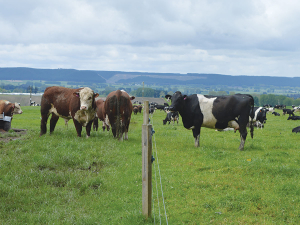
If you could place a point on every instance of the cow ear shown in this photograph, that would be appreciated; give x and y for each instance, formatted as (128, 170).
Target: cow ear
(96, 95)
(76, 94)
(132, 97)
(184, 96)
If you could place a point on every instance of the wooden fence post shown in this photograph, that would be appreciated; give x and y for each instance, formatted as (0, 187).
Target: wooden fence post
(147, 164)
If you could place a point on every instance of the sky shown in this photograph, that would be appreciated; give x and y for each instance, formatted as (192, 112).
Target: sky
(249, 37)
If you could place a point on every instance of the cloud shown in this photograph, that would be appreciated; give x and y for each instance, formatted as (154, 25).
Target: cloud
(252, 37)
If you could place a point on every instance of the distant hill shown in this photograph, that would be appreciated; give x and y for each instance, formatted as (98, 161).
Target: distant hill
(92, 76)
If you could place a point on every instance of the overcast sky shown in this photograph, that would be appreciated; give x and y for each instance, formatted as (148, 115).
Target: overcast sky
(234, 37)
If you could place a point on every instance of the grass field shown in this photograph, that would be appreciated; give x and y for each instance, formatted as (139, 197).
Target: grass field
(63, 179)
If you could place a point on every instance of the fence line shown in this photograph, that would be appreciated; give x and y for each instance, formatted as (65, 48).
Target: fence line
(156, 159)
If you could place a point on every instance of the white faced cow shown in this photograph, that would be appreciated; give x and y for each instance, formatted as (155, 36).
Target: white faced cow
(77, 104)
(216, 112)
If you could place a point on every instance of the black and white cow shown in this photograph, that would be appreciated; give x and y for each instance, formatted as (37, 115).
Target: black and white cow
(260, 114)
(171, 116)
(276, 113)
(288, 111)
(216, 112)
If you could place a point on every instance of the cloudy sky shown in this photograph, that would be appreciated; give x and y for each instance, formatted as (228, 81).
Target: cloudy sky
(249, 37)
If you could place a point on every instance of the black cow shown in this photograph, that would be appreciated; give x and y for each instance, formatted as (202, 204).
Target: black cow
(161, 107)
(216, 112)
(171, 116)
(276, 113)
(294, 118)
(296, 130)
(288, 111)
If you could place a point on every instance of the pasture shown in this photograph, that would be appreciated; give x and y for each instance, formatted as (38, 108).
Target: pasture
(63, 179)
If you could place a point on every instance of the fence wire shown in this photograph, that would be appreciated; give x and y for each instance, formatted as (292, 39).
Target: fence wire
(155, 169)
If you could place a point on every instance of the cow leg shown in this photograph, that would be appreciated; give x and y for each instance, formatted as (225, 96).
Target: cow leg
(243, 134)
(103, 125)
(53, 122)
(78, 127)
(126, 130)
(95, 124)
(44, 124)
(196, 134)
(88, 128)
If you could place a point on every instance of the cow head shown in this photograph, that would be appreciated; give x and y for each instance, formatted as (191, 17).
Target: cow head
(262, 115)
(177, 101)
(17, 109)
(87, 97)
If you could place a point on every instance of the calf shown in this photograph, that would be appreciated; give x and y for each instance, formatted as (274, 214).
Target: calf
(276, 113)
(118, 107)
(9, 109)
(77, 104)
(171, 116)
(100, 114)
(288, 111)
(216, 112)
(294, 118)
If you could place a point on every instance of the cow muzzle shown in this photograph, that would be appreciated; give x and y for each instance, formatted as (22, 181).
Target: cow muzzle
(83, 107)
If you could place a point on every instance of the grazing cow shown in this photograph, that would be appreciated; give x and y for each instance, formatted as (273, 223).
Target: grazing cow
(217, 112)
(296, 109)
(9, 109)
(294, 118)
(151, 109)
(288, 111)
(118, 107)
(140, 107)
(100, 114)
(77, 104)
(161, 107)
(276, 113)
(171, 116)
(296, 130)
(280, 106)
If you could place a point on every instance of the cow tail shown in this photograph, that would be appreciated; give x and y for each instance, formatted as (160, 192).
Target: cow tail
(251, 117)
(118, 122)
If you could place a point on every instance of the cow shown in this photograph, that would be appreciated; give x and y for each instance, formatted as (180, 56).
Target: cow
(260, 114)
(171, 116)
(161, 107)
(118, 107)
(77, 104)
(216, 112)
(100, 114)
(296, 129)
(135, 110)
(140, 107)
(296, 109)
(288, 111)
(293, 118)
(271, 110)
(276, 113)
(9, 109)
(151, 109)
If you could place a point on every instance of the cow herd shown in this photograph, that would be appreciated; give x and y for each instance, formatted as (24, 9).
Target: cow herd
(236, 112)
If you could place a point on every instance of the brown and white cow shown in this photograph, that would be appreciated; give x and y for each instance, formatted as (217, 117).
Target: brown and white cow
(9, 109)
(77, 104)
(100, 114)
(118, 107)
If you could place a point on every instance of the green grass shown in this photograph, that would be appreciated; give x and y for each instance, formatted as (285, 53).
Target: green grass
(63, 179)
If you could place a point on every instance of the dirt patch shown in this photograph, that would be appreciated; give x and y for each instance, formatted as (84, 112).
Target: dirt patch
(12, 134)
